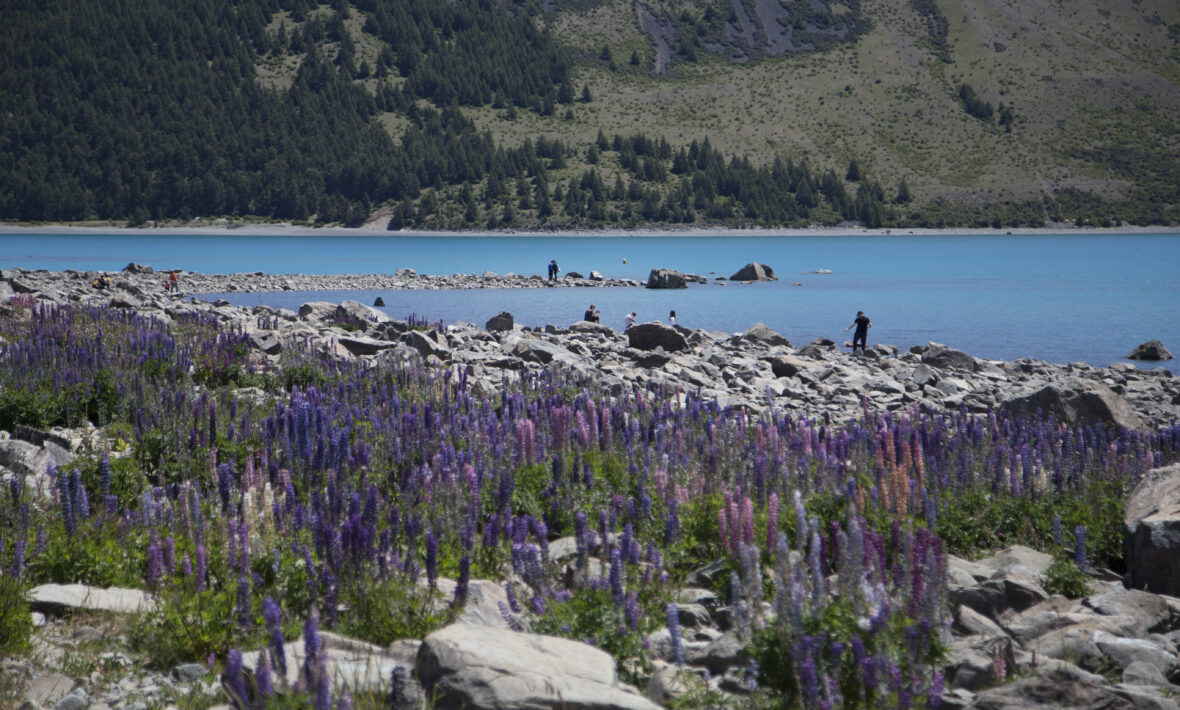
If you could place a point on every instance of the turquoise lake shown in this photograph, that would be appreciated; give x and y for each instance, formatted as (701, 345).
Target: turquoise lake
(1060, 298)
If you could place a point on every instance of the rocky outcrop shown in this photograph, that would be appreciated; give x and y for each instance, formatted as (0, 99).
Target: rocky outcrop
(666, 278)
(754, 272)
(478, 667)
(1152, 520)
(1151, 350)
(1077, 402)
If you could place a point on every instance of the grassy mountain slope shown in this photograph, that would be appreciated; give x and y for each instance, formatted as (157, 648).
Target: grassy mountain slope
(1095, 89)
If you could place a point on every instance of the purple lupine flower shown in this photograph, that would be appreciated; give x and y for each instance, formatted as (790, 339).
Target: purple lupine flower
(262, 677)
(673, 620)
(631, 610)
(772, 522)
(170, 555)
(311, 643)
(397, 686)
(461, 584)
(344, 702)
(243, 602)
(200, 576)
(1058, 535)
(232, 680)
(18, 558)
(155, 565)
(672, 524)
(1079, 552)
(616, 577)
(322, 683)
(510, 592)
(512, 621)
(934, 693)
(431, 560)
(270, 613)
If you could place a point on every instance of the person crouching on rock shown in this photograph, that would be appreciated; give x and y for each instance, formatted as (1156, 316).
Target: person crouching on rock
(591, 315)
(629, 320)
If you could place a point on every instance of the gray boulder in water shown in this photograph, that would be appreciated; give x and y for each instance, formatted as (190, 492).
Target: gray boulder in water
(666, 278)
(754, 272)
(1151, 350)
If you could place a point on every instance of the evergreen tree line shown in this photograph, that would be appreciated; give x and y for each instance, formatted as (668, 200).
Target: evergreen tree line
(696, 183)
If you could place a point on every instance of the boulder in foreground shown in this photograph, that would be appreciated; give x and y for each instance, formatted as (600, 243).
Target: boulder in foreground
(464, 666)
(1151, 350)
(1152, 539)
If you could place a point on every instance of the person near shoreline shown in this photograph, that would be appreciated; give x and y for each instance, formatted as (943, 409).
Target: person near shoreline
(592, 314)
(173, 282)
(672, 318)
(553, 269)
(862, 324)
(629, 320)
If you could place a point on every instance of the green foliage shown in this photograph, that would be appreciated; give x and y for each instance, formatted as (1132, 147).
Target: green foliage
(391, 609)
(977, 522)
(188, 625)
(94, 555)
(974, 105)
(16, 623)
(1065, 578)
(590, 616)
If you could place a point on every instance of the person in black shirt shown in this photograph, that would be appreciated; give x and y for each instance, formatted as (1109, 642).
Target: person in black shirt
(591, 315)
(862, 324)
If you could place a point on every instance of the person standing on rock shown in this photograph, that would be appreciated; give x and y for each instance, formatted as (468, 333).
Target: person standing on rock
(553, 269)
(862, 324)
(174, 282)
(672, 318)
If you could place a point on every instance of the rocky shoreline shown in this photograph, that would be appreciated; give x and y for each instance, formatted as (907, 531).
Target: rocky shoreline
(753, 369)
(1112, 648)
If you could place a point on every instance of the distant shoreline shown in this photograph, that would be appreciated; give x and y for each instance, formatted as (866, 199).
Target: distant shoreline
(374, 229)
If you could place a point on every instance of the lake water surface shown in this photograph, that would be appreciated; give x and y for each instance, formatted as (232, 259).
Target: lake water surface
(1061, 298)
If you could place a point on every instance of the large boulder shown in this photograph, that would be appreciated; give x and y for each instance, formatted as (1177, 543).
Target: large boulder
(134, 268)
(649, 336)
(1059, 687)
(537, 350)
(56, 598)
(754, 272)
(1077, 402)
(946, 358)
(666, 278)
(1151, 350)
(1152, 532)
(480, 667)
(502, 321)
(427, 342)
(354, 312)
(762, 333)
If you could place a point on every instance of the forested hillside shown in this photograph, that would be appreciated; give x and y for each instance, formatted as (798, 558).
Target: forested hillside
(589, 113)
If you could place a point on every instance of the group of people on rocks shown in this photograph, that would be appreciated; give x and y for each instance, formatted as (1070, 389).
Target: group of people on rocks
(593, 315)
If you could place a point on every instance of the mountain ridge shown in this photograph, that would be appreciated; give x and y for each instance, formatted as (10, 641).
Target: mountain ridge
(907, 114)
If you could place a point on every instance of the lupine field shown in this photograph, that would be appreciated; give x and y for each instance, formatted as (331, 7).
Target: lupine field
(259, 502)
